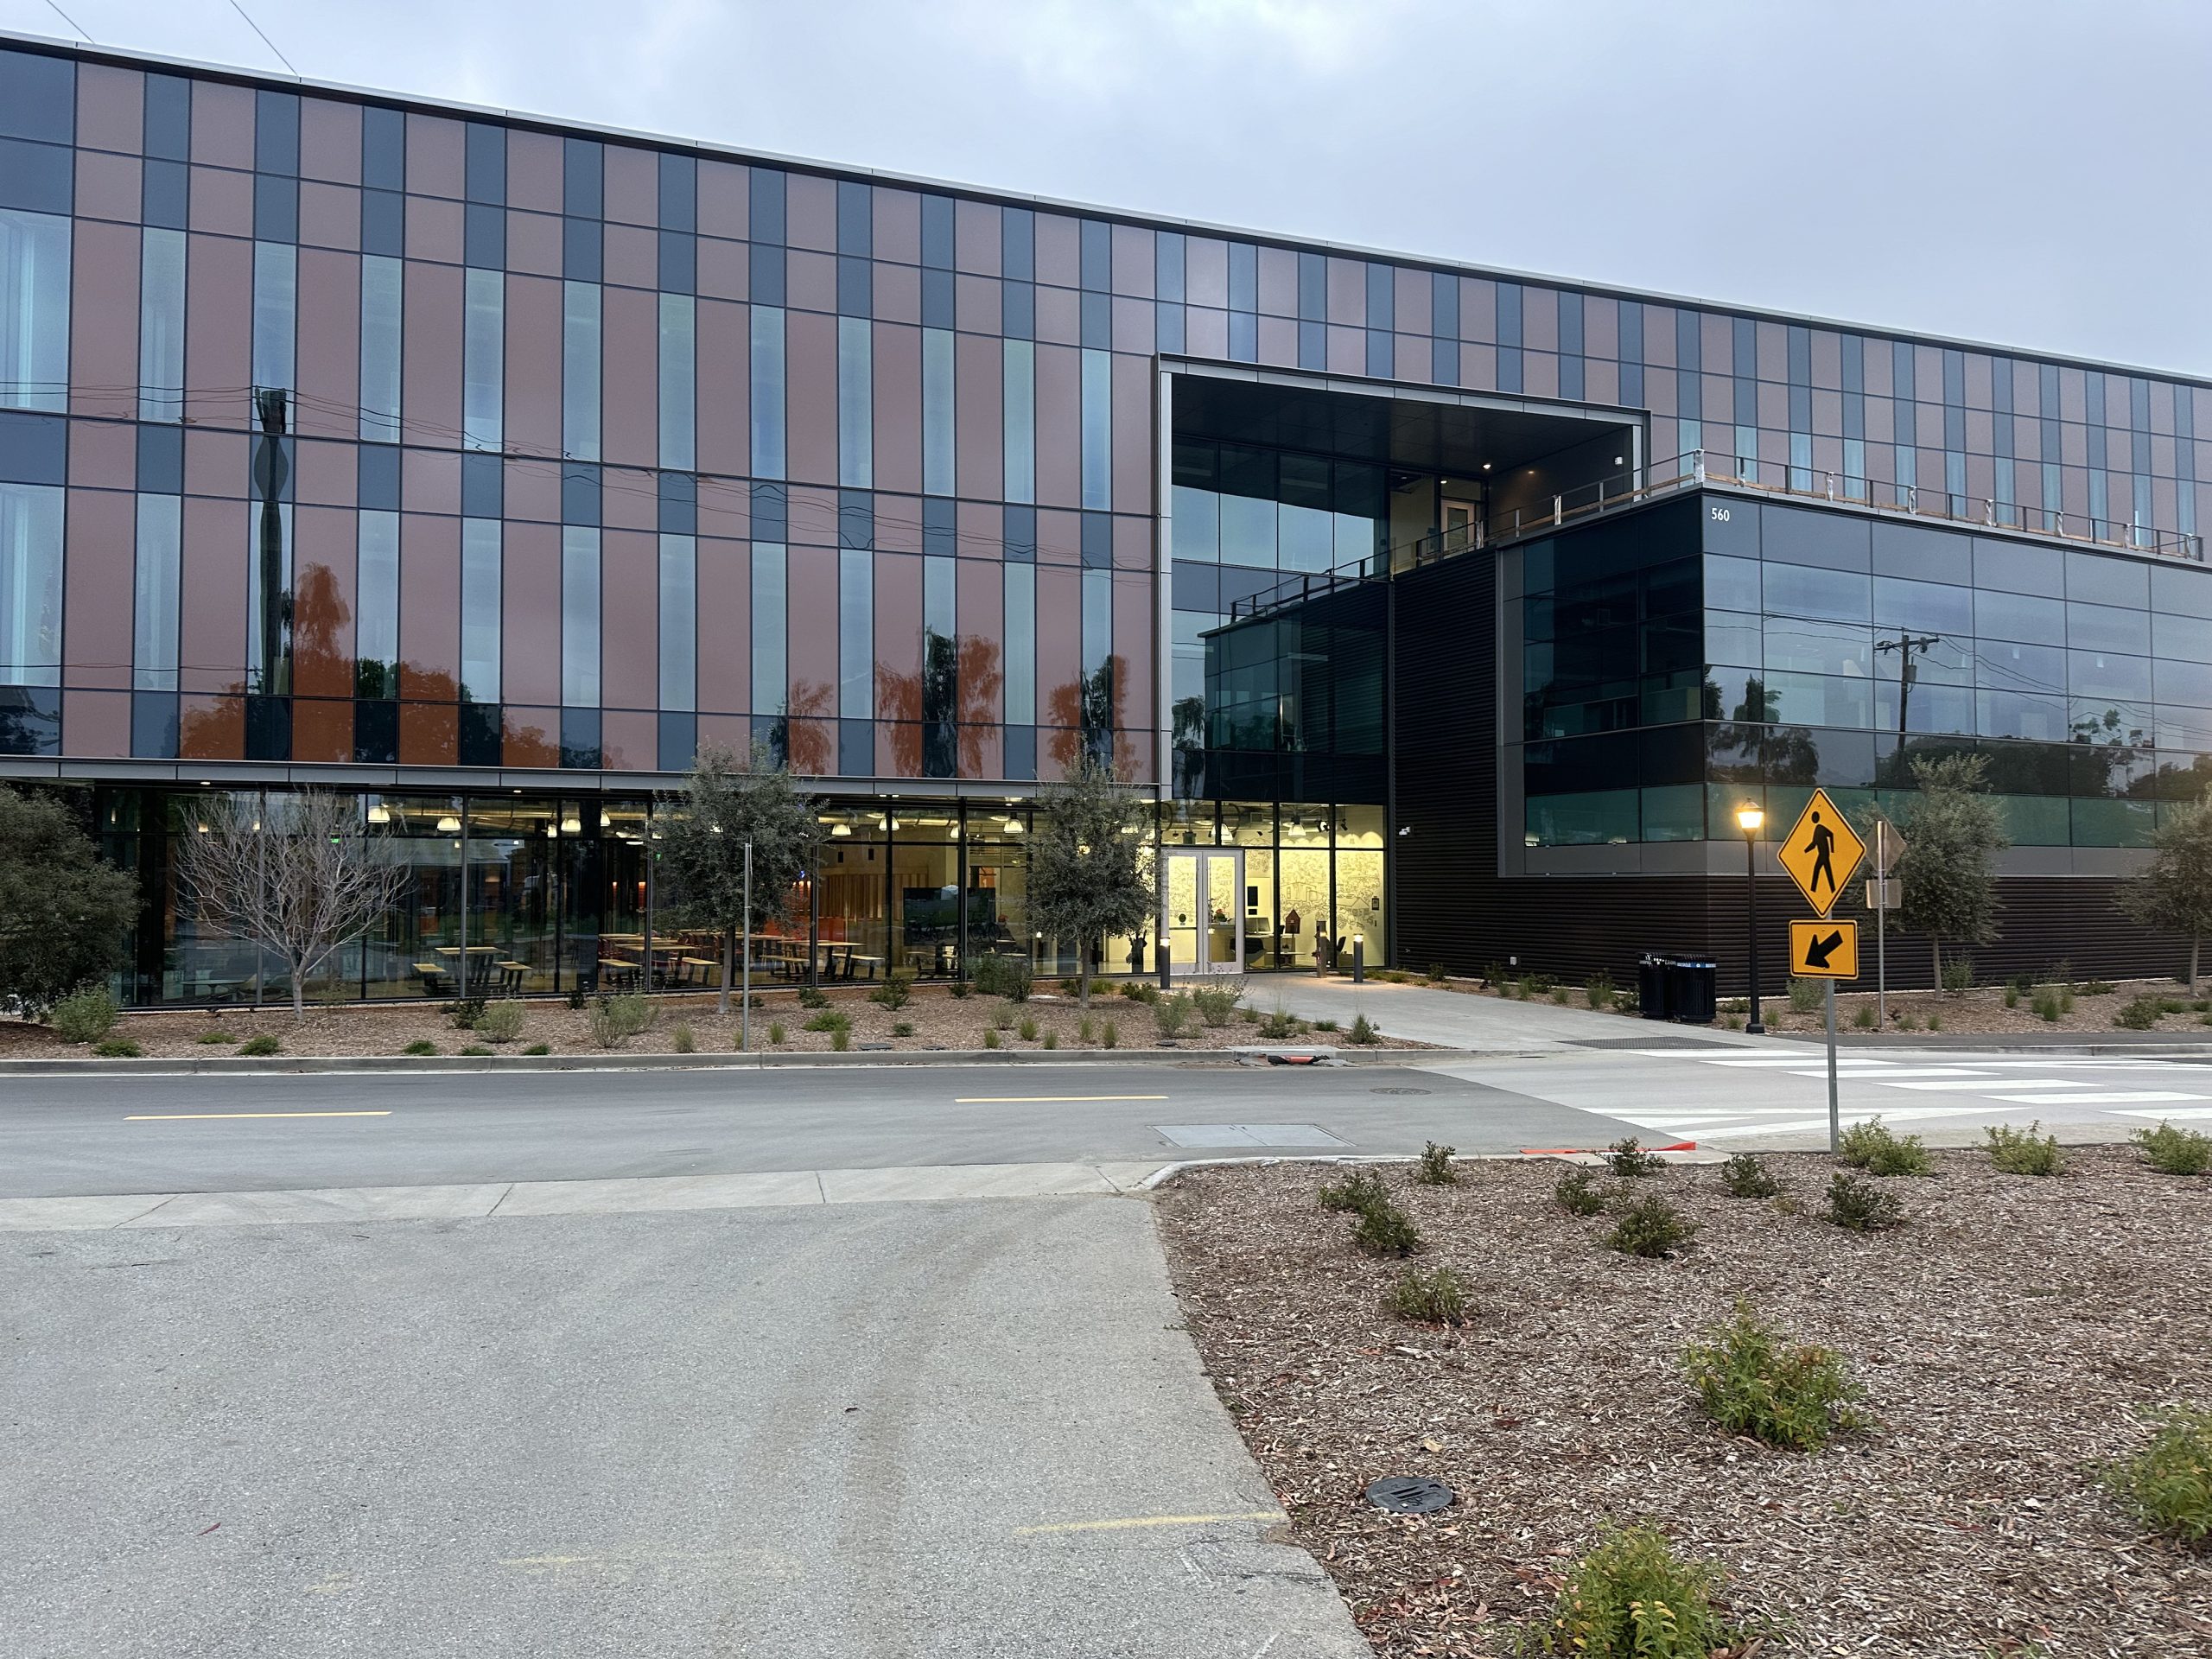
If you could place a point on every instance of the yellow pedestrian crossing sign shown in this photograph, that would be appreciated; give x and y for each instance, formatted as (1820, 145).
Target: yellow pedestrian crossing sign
(1820, 853)
(1824, 949)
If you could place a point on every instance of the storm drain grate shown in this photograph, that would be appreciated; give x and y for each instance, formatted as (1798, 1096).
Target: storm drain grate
(1409, 1495)
(1399, 1091)
(1651, 1042)
(1248, 1134)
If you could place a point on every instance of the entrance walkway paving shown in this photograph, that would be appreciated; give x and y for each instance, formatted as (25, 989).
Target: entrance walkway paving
(1459, 1020)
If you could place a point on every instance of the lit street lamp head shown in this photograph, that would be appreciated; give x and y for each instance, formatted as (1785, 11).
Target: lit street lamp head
(1748, 818)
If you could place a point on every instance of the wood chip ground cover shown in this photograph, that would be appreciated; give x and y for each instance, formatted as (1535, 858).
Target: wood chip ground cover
(2006, 1336)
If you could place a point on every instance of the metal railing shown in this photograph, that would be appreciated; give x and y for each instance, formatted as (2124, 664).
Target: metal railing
(1693, 470)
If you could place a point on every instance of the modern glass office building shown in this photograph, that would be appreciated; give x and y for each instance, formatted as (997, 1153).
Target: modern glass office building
(484, 467)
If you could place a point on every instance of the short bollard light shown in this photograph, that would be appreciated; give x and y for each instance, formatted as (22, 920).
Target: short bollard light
(1359, 958)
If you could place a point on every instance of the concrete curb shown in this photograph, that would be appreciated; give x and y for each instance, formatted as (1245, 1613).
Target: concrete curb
(2155, 1047)
(421, 1064)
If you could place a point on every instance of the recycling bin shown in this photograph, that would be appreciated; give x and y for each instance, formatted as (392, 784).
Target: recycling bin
(1651, 987)
(1691, 990)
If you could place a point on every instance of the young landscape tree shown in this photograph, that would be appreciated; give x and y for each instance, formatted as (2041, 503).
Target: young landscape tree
(63, 910)
(1090, 877)
(298, 875)
(2174, 893)
(1947, 876)
(724, 804)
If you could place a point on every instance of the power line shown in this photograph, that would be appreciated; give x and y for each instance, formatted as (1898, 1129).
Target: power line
(71, 22)
(257, 29)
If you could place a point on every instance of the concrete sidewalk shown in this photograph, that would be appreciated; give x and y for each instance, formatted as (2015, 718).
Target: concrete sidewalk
(1460, 1020)
(926, 1430)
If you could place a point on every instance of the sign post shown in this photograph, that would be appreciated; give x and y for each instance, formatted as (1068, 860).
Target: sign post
(1881, 899)
(1820, 854)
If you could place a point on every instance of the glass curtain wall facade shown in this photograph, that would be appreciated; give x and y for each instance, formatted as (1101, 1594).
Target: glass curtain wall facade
(1720, 650)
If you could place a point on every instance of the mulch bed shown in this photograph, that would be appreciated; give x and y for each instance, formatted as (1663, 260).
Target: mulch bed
(939, 1019)
(2006, 1336)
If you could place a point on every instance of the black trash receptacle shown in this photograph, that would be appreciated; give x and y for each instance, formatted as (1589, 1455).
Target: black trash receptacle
(1651, 988)
(1690, 990)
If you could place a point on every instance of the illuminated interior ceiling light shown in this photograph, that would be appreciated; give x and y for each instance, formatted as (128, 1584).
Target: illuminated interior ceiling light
(1014, 826)
(840, 830)
(605, 823)
(552, 830)
(379, 813)
(1485, 465)
(572, 825)
(447, 824)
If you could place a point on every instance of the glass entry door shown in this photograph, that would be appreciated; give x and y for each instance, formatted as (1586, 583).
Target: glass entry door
(1202, 910)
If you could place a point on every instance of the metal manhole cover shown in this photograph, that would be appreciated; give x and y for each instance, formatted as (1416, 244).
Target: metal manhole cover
(1398, 1091)
(1409, 1495)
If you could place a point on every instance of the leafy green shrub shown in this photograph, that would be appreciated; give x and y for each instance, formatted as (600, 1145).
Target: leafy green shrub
(1002, 1018)
(1863, 1207)
(1051, 1040)
(896, 991)
(1871, 1147)
(2173, 1151)
(2022, 1151)
(1598, 990)
(577, 998)
(990, 1038)
(1011, 977)
(1084, 1030)
(1029, 1028)
(500, 1022)
(464, 1012)
(615, 1019)
(1362, 1032)
(2095, 987)
(841, 1037)
(1216, 1004)
(1325, 1025)
(2142, 1013)
(1806, 994)
(1559, 995)
(261, 1047)
(2169, 1483)
(1633, 1598)
(683, 1040)
(1752, 1382)
(539, 1048)
(1629, 1160)
(830, 1020)
(902, 1028)
(474, 1049)
(1437, 973)
(1385, 1230)
(217, 1035)
(1435, 1168)
(1578, 1193)
(85, 1016)
(1864, 1019)
(1102, 986)
(1359, 1189)
(1649, 1227)
(1958, 974)
(813, 996)
(776, 1034)
(1935, 1021)
(1172, 1015)
(2011, 996)
(2052, 1002)
(1744, 1177)
(118, 1048)
(962, 989)
(419, 1046)
(1109, 1035)
(1436, 1298)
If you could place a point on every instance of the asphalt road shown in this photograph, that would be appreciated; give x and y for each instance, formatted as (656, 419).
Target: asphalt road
(185, 1134)
(902, 1431)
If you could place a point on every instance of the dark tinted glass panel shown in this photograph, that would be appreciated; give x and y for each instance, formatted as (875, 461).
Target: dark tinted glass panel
(1733, 637)
(680, 193)
(2101, 674)
(679, 262)
(487, 166)
(379, 477)
(34, 448)
(383, 223)
(1018, 245)
(766, 274)
(1732, 584)
(163, 195)
(1806, 590)
(276, 132)
(2018, 567)
(855, 213)
(276, 208)
(1018, 533)
(579, 493)
(36, 177)
(154, 725)
(1923, 554)
(771, 513)
(2187, 637)
(1835, 539)
(2002, 665)
(479, 734)
(582, 178)
(936, 232)
(1923, 605)
(679, 741)
(485, 237)
(160, 459)
(579, 738)
(168, 117)
(679, 504)
(482, 486)
(384, 149)
(2107, 581)
(2019, 616)
(765, 209)
(2108, 627)
(855, 286)
(38, 97)
(376, 733)
(582, 250)
(2176, 588)
(30, 720)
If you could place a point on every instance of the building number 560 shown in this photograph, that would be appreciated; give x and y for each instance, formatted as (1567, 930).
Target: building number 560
(1720, 515)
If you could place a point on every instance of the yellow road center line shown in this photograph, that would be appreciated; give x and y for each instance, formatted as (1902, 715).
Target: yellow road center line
(195, 1117)
(1151, 1521)
(1034, 1100)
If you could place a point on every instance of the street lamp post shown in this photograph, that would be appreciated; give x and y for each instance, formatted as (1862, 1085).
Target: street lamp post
(1748, 818)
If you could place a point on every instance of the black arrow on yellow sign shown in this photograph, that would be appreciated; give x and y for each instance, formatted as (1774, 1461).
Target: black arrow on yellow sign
(1818, 952)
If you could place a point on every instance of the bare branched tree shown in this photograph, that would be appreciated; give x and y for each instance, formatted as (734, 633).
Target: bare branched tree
(297, 875)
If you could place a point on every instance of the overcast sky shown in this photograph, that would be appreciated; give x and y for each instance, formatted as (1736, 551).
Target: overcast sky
(2030, 172)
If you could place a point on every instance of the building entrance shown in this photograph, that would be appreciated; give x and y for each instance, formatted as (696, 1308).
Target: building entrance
(1202, 910)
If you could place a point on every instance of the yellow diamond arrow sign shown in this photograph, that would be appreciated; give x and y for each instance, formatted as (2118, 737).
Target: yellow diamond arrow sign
(1820, 851)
